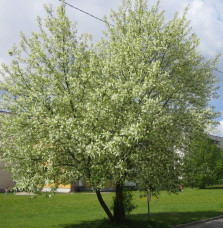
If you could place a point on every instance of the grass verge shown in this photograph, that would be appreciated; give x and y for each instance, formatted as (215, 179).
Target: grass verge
(82, 210)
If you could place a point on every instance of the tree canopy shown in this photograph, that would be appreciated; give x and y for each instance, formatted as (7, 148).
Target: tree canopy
(118, 110)
(203, 163)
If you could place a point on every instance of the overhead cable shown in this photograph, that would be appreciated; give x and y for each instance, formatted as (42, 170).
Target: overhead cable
(219, 71)
(85, 12)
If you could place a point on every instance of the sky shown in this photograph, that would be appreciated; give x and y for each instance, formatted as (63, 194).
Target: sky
(206, 18)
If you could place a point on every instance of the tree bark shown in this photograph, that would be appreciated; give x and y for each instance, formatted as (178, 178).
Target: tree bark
(119, 207)
(202, 186)
(104, 206)
(73, 189)
(148, 202)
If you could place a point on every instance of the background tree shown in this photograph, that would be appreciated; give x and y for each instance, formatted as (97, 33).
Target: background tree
(118, 110)
(203, 163)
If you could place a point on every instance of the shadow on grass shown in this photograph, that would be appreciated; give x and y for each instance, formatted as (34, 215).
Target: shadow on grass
(215, 187)
(157, 220)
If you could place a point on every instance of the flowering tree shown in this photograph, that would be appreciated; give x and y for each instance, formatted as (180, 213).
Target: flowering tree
(118, 110)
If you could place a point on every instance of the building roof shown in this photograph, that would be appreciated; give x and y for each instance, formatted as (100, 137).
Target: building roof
(218, 140)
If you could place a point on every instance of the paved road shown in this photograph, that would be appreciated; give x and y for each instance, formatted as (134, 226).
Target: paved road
(218, 223)
(212, 223)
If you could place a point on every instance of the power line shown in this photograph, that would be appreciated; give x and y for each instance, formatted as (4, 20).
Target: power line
(219, 71)
(89, 14)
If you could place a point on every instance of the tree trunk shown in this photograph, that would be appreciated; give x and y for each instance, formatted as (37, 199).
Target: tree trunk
(104, 206)
(73, 184)
(202, 186)
(119, 207)
(148, 203)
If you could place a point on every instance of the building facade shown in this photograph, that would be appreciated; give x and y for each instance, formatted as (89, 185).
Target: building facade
(5, 176)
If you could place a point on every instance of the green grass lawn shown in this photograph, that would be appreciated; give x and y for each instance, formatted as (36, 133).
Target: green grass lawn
(82, 210)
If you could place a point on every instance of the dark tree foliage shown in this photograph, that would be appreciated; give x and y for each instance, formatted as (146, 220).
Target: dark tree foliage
(203, 164)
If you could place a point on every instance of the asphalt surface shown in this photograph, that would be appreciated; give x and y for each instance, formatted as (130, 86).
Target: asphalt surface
(209, 223)
(218, 223)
